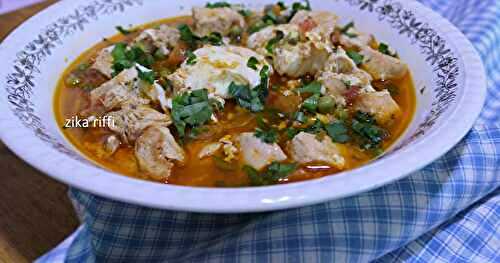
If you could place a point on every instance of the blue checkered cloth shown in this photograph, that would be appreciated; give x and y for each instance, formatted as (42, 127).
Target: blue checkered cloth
(447, 212)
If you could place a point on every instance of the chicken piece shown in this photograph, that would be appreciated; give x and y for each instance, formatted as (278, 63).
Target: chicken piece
(259, 40)
(356, 40)
(116, 93)
(209, 150)
(299, 60)
(340, 73)
(306, 148)
(290, 55)
(334, 86)
(208, 20)
(104, 62)
(155, 151)
(380, 104)
(381, 66)
(163, 38)
(157, 95)
(338, 84)
(111, 144)
(132, 120)
(257, 153)
(216, 68)
(318, 25)
(340, 62)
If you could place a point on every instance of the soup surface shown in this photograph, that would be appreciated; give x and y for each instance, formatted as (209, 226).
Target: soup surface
(230, 97)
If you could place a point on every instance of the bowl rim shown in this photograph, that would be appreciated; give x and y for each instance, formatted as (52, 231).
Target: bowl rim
(277, 197)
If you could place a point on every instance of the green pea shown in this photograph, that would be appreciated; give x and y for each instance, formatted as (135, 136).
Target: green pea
(326, 104)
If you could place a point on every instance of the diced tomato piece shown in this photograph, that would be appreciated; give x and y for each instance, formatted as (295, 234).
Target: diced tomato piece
(307, 25)
(177, 56)
(352, 94)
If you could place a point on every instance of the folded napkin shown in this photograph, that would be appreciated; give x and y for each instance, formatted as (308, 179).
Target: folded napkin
(447, 212)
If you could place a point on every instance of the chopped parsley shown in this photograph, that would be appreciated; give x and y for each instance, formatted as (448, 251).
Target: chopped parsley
(345, 30)
(384, 49)
(188, 36)
(273, 174)
(316, 128)
(214, 38)
(124, 57)
(120, 59)
(217, 5)
(264, 131)
(312, 87)
(259, 25)
(147, 76)
(291, 132)
(370, 134)
(271, 44)
(297, 6)
(282, 17)
(124, 31)
(356, 57)
(268, 136)
(252, 63)
(191, 58)
(337, 130)
(247, 97)
(191, 110)
(270, 17)
(282, 5)
(245, 12)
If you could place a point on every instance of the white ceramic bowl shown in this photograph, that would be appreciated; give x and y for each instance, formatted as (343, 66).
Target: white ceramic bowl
(448, 73)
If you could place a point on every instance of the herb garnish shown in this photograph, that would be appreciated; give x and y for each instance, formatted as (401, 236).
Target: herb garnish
(271, 44)
(191, 109)
(356, 57)
(337, 130)
(124, 57)
(146, 75)
(124, 31)
(369, 133)
(272, 18)
(312, 87)
(217, 5)
(297, 6)
(273, 174)
(345, 30)
(246, 97)
(214, 38)
(191, 58)
(268, 136)
(252, 63)
(188, 36)
(245, 12)
(384, 49)
(265, 132)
